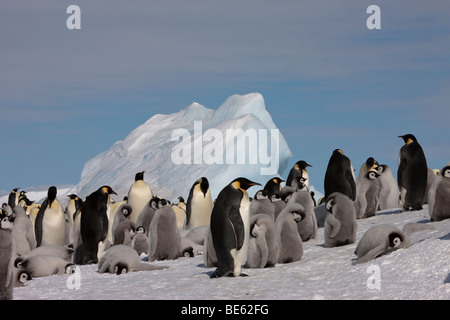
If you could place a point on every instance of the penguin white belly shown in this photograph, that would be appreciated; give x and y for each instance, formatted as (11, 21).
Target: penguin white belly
(201, 210)
(53, 226)
(240, 256)
(138, 196)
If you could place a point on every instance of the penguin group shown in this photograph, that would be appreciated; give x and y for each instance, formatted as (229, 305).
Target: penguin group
(236, 231)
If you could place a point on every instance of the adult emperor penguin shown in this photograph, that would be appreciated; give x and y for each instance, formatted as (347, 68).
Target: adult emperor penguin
(367, 195)
(340, 176)
(94, 223)
(230, 227)
(138, 195)
(439, 196)
(297, 172)
(385, 238)
(50, 224)
(340, 224)
(13, 198)
(412, 174)
(7, 256)
(199, 204)
(389, 188)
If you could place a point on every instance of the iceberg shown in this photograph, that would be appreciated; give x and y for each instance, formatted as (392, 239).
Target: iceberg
(237, 139)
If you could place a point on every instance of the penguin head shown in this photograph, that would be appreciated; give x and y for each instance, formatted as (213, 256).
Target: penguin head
(372, 175)
(329, 204)
(301, 165)
(126, 210)
(408, 138)
(395, 239)
(188, 252)
(140, 229)
(243, 183)
(139, 176)
(107, 190)
(204, 185)
(70, 268)
(275, 198)
(162, 203)
(371, 163)
(73, 196)
(261, 194)
(23, 277)
(154, 203)
(180, 200)
(381, 168)
(51, 194)
(445, 172)
(7, 222)
(120, 268)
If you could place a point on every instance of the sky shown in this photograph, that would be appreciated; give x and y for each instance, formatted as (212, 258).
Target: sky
(327, 80)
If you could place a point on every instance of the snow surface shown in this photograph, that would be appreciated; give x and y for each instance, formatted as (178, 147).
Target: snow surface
(149, 148)
(418, 272)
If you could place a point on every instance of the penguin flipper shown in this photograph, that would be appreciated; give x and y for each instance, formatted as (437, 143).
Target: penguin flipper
(335, 225)
(372, 254)
(238, 226)
(401, 169)
(38, 223)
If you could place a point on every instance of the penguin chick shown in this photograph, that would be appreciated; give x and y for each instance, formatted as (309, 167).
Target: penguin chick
(262, 205)
(43, 265)
(164, 236)
(385, 238)
(7, 255)
(262, 246)
(340, 224)
(121, 259)
(389, 189)
(140, 241)
(288, 239)
(367, 195)
(23, 232)
(439, 196)
(307, 227)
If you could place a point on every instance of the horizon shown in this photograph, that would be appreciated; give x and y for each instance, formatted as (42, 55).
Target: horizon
(327, 80)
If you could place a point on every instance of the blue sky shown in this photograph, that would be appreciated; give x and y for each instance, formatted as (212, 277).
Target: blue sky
(328, 81)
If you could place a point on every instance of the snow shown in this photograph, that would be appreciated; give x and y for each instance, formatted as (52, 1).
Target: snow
(149, 147)
(418, 272)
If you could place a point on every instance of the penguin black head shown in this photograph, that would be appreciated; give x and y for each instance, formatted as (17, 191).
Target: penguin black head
(73, 196)
(204, 185)
(181, 200)
(7, 222)
(154, 203)
(338, 152)
(162, 203)
(51, 194)
(140, 229)
(408, 138)
(300, 165)
(261, 194)
(126, 210)
(329, 204)
(188, 252)
(243, 183)
(139, 176)
(23, 277)
(371, 162)
(107, 190)
(445, 172)
(372, 175)
(121, 268)
(395, 239)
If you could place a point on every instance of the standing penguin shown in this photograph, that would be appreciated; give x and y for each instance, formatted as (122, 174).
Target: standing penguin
(307, 227)
(147, 213)
(94, 223)
(273, 187)
(23, 232)
(370, 165)
(439, 196)
(412, 174)
(340, 225)
(140, 241)
(72, 208)
(230, 227)
(297, 172)
(164, 236)
(367, 195)
(7, 256)
(340, 176)
(138, 195)
(389, 188)
(13, 198)
(50, 224)
(199, 204)
(180, 212)
(289, 242)
(262, 246)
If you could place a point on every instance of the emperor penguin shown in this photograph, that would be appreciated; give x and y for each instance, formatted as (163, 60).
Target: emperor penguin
(121, 223)
(412, 174)
(199, 204)
(273, 186)
(147, 213)
(24, 202)
(278, 204)
(180, 212)
(7, 256)
(384, 238)
(23, 232)
(138, 195)
(13, 198)
(72, 208)
(370, 165)
(307, 226)
(262, 245)
(209, 253)
(439, 196)
(431, 175)
(122, 259)
(50, 224)
(340, 224)
(164, 236)
(230, 227)
(367, 195)
(389, 189)
(340, 175)
(43, 265)
(140, 241)
(289, 242)
(297, 172)
(262, 204)
(94, 223)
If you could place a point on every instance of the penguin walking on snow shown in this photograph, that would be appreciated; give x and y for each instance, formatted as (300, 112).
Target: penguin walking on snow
(94, 223)
(230, 227)
(412, 174)
(50, 224)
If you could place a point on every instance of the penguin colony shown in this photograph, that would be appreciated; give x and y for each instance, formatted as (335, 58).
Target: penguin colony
(232, 232)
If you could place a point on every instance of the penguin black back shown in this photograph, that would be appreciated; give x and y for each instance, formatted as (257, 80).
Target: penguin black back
(51, 196)
(273, 186)
(339, 176)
